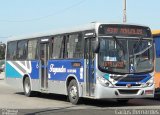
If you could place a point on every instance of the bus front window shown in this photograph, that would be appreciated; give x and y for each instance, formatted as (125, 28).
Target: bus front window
(113, 55)
(125, 55)
(141, 55)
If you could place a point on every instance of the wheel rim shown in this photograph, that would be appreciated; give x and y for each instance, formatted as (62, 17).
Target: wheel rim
(27, 86)
(73, 92)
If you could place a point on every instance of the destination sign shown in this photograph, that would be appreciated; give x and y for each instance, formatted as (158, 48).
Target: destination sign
(124, 30)
(114, 64)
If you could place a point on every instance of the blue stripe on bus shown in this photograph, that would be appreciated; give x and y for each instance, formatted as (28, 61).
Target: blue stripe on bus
(11, 72)
(146, 78)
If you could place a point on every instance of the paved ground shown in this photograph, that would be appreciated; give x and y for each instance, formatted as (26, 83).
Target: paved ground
(13, 101)
(2, 75)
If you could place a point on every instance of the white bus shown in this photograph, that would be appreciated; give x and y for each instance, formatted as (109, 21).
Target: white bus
(97, 61)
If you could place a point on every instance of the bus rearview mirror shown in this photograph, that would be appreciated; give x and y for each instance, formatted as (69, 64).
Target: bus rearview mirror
(95, 46)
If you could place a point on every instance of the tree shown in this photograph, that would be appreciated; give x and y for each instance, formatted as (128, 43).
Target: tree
(2, 50)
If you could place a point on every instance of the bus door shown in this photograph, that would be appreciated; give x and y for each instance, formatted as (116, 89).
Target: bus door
(89, 56)
(44, 55)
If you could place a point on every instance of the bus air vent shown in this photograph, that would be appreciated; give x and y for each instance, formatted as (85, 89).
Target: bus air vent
(123, 91)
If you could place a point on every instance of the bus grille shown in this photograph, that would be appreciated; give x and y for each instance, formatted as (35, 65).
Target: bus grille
(132, 79)
(122, 91)
(128, 78)
(125, 84)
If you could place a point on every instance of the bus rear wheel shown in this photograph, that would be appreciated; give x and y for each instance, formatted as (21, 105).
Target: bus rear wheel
(27, 87)
(73, 92)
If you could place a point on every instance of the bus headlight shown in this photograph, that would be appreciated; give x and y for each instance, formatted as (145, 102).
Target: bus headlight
(149, 83)
(104, 82)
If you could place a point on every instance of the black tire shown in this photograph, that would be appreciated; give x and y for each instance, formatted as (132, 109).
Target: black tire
(27, 87)
(123, 101)
(73, 92)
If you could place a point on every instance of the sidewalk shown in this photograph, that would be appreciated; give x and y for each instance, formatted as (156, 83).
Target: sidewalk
(2, 75)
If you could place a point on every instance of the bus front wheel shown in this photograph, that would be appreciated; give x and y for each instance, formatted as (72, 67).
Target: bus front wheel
(73, 92)
(27, 87)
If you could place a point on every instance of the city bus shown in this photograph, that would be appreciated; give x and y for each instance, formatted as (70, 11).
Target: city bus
(156, 37)
(96, 61)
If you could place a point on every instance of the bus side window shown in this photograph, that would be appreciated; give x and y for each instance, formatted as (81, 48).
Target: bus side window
(66, 43)
(14, 57)
(22, 50)
(75, 46)
(32, 49)
(11, 50)
(57, 47)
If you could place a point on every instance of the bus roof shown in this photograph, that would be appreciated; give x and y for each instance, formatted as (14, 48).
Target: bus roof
(156, 33)
(54, 32)
(90, 26)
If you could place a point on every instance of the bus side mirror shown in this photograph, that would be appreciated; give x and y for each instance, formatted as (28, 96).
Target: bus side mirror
(95, 46)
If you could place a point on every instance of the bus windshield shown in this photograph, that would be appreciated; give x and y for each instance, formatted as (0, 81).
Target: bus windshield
(125, 55)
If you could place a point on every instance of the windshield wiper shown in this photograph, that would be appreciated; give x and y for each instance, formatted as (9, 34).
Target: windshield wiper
(120, 45)
(138, 43)
(141, 52)
(137, 46)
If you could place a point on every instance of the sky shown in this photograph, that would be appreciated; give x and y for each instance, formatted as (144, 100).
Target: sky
(26, 17)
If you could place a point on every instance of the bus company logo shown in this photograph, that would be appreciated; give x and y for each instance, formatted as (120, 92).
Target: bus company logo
(128, 85)
(57, 70)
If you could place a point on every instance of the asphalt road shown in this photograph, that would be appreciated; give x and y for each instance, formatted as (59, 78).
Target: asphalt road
(14, 102)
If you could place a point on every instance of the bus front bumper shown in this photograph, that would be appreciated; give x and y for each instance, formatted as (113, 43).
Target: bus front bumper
(102, 92)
